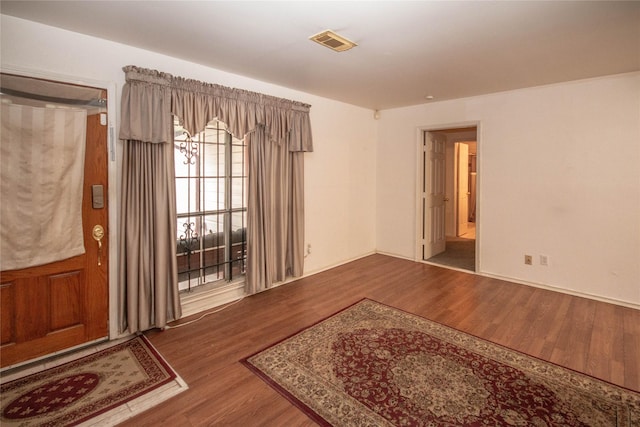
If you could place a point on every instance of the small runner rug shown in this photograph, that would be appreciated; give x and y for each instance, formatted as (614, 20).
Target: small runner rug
(373, 365)
(82, 389)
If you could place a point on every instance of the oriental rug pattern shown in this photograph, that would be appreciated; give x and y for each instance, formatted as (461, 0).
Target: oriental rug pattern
(80, 390)
(373, 365)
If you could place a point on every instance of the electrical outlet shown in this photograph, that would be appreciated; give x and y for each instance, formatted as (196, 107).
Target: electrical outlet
(528, 260)
(544, 260)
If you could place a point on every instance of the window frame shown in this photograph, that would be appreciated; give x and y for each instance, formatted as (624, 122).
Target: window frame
(192, 238)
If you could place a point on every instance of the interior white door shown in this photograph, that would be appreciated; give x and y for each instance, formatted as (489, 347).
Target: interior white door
(451, 217)
(462, 189)
(434, 195)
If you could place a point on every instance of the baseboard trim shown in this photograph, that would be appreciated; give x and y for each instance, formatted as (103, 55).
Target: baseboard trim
(396, 256)
(564, 291)
(527, 283)
(329, 267)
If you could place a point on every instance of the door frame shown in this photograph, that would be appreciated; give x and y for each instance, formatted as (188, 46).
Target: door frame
(112, 168)
(420, 135)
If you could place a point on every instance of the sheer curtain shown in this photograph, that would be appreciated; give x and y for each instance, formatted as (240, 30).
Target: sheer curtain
(278, 132)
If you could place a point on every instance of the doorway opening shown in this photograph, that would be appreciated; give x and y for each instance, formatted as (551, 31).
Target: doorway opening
(449, 197)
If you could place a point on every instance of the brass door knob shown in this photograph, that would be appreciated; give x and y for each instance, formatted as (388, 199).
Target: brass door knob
(98, 233)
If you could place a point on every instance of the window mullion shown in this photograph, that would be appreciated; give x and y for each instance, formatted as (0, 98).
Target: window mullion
(200, 170)
(227, 206)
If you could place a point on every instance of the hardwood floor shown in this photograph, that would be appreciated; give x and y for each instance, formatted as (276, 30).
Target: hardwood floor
(602, 340)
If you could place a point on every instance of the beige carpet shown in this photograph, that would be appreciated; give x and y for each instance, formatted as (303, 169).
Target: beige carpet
(373, 365)
(459, 253)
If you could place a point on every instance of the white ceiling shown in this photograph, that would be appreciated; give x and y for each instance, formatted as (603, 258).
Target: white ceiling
(406, 50)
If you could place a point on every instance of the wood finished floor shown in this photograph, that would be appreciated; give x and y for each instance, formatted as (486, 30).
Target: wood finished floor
(602, 340)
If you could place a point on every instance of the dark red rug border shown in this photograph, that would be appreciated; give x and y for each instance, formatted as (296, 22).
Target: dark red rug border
(172, 375)
(321, 421)
(284, 393)
(291, 398)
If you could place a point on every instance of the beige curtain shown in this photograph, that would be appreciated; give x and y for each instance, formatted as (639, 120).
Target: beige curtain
(148, 265)
(42, 171)
(284, 121)
(275, 230)
(279, 132)
(150, 97)
(148, 272)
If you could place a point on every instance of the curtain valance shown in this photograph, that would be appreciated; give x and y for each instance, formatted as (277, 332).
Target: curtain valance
(149, 98)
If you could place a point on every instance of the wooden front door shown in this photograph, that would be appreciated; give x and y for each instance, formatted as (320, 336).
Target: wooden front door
(63, 304)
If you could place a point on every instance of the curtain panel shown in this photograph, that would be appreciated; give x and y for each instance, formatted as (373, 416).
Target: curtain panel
(148, 275)
(278, 132)
(275, 230)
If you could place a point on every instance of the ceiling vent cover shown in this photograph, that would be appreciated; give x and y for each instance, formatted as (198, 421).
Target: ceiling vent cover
(333, 41)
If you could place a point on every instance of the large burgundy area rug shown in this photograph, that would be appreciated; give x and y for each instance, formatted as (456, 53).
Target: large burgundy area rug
(373, 365)
(82, 389)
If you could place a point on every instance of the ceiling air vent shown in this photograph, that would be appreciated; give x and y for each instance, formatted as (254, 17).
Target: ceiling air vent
(333, 41)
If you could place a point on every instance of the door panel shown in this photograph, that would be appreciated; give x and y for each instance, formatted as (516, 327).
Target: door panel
(66, 300)
(7, 315)
(63, 304)
(434, 196)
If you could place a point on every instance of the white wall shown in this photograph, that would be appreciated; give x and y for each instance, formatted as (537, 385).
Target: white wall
(339, 174)
(559, 175)
(558, 165)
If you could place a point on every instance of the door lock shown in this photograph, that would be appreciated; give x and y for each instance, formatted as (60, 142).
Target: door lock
(97, 196)
(98, 233)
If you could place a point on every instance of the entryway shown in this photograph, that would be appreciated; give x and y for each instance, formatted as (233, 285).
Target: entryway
(54, 283)
(448, 198)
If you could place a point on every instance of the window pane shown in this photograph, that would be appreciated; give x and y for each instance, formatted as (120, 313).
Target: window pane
(183, 167)
(238, 160)
(186, 157)
(214, 273)
(214, 248)
(213, 194)
(214, 226)
(214, 160)
(186, 195)
(188, 233)
(238, 192)
(238, 221)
